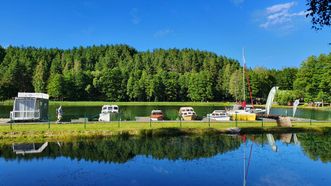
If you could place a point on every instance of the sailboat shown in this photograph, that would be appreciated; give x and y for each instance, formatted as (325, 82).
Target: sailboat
(243, 112)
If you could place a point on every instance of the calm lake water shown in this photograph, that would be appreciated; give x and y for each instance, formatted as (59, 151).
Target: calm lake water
(171, 112)
(300, 159)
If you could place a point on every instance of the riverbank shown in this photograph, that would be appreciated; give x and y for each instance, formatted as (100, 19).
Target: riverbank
(41, 132)
(101, 103)
(179, 104)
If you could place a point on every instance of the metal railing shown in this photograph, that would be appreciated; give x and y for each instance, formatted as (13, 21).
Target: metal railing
(25, 115)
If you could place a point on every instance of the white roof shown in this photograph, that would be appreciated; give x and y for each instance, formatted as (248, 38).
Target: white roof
(218, 111)
(182, 108)
(32, 95)
(153, 111)
(110, 106)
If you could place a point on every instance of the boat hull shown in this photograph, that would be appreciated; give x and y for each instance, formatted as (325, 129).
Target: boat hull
(224, 118)
(189, 118)
(156, 118)
(243, 117)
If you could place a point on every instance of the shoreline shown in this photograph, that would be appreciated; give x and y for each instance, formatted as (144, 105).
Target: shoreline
(24, 133)
(179, 104)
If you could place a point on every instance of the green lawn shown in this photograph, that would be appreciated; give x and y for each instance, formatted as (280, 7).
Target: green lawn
(95, 103)
(30, 132)
(100, 103)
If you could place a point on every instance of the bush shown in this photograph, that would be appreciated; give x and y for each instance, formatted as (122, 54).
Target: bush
(284, 97)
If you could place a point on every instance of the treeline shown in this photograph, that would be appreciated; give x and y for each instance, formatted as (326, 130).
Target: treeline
(121, 73)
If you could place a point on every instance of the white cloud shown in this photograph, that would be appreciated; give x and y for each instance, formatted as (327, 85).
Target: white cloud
(163, 33)
(135, 19)
(280, 7)
(279, 15)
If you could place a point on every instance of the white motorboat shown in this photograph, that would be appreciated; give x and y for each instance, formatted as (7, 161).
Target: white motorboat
(106, 112)
(187, 113)
(219, 115)
(251, 109)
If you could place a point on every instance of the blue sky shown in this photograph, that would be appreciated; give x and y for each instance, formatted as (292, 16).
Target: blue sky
(275, 34)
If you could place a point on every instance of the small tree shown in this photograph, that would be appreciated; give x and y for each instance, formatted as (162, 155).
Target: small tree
(55, 86)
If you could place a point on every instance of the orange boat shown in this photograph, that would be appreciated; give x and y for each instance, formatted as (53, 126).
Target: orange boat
(156, 115)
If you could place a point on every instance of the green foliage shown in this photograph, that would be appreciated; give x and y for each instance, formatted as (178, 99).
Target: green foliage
(200, 86)
(120, 73)
(314, 78)
(284, 97)
(236, 84)
(316, 147)
(40, 77)
(261, 82)
(285, 78)
(2, 53)
(55, 86)
(116, 73)
(320, 13)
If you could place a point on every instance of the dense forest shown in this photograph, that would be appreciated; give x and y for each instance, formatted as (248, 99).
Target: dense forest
(121, 73)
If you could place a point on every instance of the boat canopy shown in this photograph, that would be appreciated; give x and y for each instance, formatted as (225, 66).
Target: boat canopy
(157, 112)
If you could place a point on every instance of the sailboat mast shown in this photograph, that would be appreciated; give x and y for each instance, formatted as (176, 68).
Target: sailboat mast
(244, 64)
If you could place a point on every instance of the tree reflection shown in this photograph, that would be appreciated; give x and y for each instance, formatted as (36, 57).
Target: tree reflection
(316, 146)
(121, 149)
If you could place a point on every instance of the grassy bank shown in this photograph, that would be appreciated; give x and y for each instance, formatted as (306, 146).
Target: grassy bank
(96, 103)
(36, 132)
(100, 103)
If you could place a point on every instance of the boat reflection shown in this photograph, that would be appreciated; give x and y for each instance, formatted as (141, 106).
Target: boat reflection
(29, 148)
(287, 138)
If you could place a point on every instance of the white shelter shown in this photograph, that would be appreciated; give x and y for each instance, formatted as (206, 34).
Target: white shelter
(30, 107)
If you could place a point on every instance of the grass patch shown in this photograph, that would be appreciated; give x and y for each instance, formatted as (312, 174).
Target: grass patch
(216, 104)
(95, 103)
(100, 103)
(35, 132)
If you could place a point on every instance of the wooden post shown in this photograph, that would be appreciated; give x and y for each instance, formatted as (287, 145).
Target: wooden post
(119, 121)
(85, 121)
(180, 121)
(236, 119)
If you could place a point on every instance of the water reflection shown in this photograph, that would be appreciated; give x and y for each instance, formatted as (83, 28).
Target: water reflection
(184, 160)
(29, 148)
(285, 138)
(122, 149)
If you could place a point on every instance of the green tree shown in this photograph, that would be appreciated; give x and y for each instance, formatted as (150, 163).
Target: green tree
(55, 86)
(236, 85)
(261, 81)
(285, 78)
(286, 97)
(2, 53)
(314, 76)
(40, 77)
(110, 85)
(320, 13)
(200, 86)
